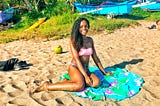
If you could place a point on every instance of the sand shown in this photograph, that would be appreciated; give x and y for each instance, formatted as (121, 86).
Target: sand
(135, 48)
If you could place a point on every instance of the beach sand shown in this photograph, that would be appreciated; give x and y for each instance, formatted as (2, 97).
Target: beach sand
(135, 48)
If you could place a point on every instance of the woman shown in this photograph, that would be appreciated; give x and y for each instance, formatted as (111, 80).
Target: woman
(82, 47)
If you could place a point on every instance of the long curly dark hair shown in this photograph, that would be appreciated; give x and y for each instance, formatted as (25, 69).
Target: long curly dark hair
(76, 36)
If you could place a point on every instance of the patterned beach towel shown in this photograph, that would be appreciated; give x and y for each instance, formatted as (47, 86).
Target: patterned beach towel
(121, 85)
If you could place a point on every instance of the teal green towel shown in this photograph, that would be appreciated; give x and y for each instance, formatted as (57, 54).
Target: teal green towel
(121, 85)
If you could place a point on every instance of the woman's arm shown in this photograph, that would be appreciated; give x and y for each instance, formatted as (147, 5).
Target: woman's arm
(97, 60)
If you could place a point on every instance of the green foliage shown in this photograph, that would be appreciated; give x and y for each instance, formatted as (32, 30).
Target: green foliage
(138, 13)
(34, 15)
(154, 16)
(6, 40)
(4, 4)
(67, 18)
(110, 25)
(28, 19)
(58, 26)
(60, 8)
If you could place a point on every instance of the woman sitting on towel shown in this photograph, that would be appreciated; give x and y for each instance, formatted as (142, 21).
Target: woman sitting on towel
(82, 47)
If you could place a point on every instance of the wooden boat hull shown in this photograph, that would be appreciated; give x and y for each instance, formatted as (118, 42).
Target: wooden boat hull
(36, 24)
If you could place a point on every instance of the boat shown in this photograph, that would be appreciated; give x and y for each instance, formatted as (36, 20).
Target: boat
(36, 24)
(139, 4)
(148, 5)
(155, 6)
(6, 15)
(105, 8)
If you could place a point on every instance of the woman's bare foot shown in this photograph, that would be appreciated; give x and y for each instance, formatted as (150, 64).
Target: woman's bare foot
(64, 79)
(43, 87)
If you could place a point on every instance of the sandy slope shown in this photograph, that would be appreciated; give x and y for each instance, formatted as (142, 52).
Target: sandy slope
(134, 48)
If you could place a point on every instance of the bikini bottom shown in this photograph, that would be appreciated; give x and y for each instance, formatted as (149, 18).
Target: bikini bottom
(75, 65)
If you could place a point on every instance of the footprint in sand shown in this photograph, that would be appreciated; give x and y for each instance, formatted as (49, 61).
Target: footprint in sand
(38, 100)
(14, 93)
(18, 101)
(1, 88)
(20, 85)
(46, 96)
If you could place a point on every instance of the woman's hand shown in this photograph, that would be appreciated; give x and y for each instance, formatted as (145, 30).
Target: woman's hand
(108, 73)
(88, 80)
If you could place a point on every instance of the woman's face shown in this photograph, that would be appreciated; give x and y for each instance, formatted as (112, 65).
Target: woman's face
(83, 28)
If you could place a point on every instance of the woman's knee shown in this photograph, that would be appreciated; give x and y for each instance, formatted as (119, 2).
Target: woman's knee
(96, 83)
(79, 86)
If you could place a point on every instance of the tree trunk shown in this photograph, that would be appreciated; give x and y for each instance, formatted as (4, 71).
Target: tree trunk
(29, 6)
(35, 5)
(45, 2)
(71, 2)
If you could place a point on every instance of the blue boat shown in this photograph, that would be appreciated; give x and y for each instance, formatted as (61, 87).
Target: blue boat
(6, 15)
(153, 6)
(106, 8)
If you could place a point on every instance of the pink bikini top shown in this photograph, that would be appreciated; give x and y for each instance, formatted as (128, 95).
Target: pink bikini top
(85, 52)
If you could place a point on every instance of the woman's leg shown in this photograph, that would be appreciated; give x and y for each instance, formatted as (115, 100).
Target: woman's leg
(95, 79)
(76, 82)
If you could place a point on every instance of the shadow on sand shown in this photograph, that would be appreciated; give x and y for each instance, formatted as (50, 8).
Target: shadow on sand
(124, 63)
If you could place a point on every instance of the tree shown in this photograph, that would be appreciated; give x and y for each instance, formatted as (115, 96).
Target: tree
(3, 5)
(37, 5)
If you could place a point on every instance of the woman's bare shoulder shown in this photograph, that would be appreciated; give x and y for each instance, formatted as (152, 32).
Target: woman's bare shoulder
(89, 38)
